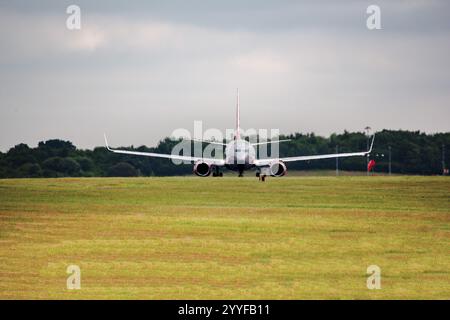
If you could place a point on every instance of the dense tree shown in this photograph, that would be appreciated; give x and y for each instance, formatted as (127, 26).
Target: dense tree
(19, 155)
(61, 167)
(85, 163)
(30, 170)
(122, 169)
(54, 148)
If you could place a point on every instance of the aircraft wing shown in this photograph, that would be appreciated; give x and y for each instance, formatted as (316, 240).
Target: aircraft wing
(269, 142)
(206, 141)
(212, 161)
(266, 162)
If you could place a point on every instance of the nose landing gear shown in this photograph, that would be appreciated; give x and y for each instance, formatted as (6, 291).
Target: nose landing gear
(261, 177)
(241, 170)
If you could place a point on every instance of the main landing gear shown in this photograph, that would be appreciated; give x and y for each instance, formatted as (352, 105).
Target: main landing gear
(217, 172)
(261, 177)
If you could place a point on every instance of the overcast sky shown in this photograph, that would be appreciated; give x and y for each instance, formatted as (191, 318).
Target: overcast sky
(138, 70)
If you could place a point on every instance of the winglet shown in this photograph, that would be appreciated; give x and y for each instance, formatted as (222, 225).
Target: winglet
(106, 142)
(371, 145)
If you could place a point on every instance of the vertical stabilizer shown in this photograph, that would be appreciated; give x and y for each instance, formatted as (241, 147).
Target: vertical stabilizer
(238, 116)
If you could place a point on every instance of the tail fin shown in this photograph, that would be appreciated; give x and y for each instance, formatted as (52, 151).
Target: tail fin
(238, 116)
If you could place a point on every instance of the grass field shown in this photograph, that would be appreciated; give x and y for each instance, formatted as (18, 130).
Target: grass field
(230, 238)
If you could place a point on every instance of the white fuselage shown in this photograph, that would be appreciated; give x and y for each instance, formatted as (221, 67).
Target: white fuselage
(239, 153)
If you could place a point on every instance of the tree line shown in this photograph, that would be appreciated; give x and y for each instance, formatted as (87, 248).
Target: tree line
(411, 152)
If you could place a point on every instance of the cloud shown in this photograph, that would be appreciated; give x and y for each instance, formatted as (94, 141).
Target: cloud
(88, 39)
(141, 70)
(261, 62)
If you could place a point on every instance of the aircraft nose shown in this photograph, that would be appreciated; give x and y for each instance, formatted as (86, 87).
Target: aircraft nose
(241, 158)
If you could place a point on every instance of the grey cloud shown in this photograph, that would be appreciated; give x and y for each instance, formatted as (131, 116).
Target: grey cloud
(140, 70)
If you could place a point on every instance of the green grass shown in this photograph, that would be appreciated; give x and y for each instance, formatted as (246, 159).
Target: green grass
(225, 238)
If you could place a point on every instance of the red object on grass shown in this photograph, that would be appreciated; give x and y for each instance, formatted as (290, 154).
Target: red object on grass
(370, 165)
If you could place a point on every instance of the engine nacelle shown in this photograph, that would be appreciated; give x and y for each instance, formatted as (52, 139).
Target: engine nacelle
(277, 169)
(202, 169)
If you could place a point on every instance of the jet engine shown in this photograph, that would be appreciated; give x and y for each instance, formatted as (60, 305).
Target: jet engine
(277, 169)
(202, 169)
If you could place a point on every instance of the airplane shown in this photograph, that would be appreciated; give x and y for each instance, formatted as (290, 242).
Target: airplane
(240, 155)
